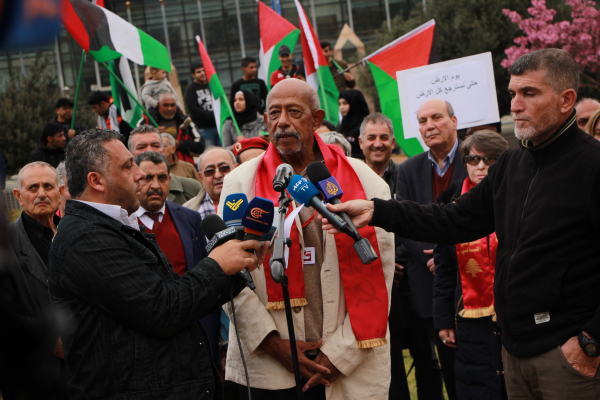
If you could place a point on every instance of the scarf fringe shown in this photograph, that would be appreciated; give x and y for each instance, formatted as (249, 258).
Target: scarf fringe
(280, 305)
(370, 343)
(478, 312)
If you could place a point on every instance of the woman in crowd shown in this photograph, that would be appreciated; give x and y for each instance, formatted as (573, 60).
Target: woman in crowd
(250, 122)
(339, 140)
(354, 109)
(593, 127)
(463, 299)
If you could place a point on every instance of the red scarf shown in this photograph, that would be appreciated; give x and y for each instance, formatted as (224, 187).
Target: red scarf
(477, 263)
(364, 285)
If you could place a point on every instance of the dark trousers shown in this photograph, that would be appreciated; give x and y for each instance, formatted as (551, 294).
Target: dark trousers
(547, 376)
(446, 357)
(315, 393)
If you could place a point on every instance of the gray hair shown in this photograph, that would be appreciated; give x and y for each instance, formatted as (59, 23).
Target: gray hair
(153, 157)
(36, 164)
(166, 94)
(450, 109)
(315, 103)
(140, 130)
(584, 100)
(562, 71)
(376, 118)
(169, 137)
(215, 148)
(62, 173)
(86, 153)
(335, 138)
(485, 141)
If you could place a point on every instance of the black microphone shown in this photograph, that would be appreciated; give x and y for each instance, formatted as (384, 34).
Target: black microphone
(214, 227)
(319, 175)
(282, 177)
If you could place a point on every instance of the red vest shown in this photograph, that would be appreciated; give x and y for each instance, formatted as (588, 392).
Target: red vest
(169, 242)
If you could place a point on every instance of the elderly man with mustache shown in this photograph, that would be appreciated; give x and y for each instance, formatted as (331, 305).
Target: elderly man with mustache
(340, 306)
(38, 191)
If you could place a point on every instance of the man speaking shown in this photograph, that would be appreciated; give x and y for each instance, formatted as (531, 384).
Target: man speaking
(134, 322)
(546, 215)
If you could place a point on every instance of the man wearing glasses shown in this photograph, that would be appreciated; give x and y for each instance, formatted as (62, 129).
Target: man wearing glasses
(213, 165)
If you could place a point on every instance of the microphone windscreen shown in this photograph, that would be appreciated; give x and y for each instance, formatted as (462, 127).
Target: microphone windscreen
(302, 190)
(258, 216)
(233, 210)
(317, 172)
(211, 224)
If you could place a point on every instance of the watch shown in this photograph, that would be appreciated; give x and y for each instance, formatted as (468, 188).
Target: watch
(588, 345)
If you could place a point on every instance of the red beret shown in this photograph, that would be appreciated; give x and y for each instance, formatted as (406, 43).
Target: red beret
(252, 143)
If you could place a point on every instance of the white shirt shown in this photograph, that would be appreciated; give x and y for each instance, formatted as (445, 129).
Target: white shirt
(146, 220)
(115, 212)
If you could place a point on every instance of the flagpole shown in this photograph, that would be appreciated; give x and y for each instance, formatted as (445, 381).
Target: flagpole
(201, 23)
(239, 21)
(135, 66)
(114, 75)
(77, 89)
(164, 19)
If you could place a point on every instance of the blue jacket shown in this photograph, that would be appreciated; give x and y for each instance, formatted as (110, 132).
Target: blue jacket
(134, 330)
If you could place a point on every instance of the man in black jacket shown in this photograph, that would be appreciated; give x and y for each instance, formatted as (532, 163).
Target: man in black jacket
(198, 102)
(135, 322)
(546, 214)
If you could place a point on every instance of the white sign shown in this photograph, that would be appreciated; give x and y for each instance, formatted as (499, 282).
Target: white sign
(466, 83)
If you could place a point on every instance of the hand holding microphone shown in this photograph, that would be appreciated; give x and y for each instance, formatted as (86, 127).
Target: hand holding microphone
(360, 212)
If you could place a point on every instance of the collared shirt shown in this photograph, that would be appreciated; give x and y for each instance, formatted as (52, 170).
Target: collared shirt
(115, 212)
(207, 207)
(447, 161)
(148, 222)
(39, 235)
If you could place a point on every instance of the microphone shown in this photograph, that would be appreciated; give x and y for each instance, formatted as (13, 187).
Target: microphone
(282, 177)
(214, 227)
(303, 191)
(319, 175)
(235, 205)
(258, 218)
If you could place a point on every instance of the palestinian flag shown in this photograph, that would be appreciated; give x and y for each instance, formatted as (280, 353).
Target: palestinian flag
(106, 36)
(415, 49)
(128, 107)
(318, 74)
(221, 106)
(275, 31)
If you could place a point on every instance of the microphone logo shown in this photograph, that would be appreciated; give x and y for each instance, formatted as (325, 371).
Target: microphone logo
(236, 205)
(332, 188)
(258, 212)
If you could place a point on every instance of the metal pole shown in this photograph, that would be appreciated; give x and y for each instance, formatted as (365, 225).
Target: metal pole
(387, 15)
(59, 70)
(22, 62)
(313, 16)
(98, 80)
(350, 20)
(424, 5)
(201, 23)
(164, 18)
(77, 88)
(239, 19)
(135, 66)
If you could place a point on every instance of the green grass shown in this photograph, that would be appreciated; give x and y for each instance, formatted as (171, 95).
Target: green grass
(412, 382)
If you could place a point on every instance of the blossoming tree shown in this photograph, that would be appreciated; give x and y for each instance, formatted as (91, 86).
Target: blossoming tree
(580, 37)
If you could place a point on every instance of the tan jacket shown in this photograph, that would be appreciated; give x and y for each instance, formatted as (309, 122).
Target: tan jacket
(366, 372)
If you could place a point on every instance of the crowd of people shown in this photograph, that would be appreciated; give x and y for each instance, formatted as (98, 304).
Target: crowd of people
(486, 255)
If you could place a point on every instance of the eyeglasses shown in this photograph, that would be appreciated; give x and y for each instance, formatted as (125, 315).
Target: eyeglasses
(223, 169)
(475, 160)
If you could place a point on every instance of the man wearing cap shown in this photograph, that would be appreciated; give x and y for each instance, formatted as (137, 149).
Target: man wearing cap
(249, 148)
(64, 114)
(287, 69)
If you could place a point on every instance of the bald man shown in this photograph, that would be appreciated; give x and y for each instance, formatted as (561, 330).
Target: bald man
(422, 179)
(585, 108)
(340, 305)
(172, 120)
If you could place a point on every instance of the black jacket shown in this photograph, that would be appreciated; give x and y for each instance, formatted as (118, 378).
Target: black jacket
(190, 140)
(135, 330)
(544, 204)
(415, 183)
(198, 102)
(46, 154)
(25, 289)
(79, 127)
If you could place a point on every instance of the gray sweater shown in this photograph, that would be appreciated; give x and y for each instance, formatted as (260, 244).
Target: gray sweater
(249, 130)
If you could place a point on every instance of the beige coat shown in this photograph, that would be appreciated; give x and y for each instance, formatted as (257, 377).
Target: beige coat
(366, 372)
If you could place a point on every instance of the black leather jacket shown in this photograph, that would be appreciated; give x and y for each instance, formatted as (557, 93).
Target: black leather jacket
(135, 332)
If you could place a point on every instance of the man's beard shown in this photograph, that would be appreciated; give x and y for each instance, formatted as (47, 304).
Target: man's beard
(123, 197)
(546, 123)
(288, 132)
